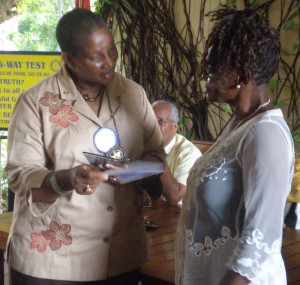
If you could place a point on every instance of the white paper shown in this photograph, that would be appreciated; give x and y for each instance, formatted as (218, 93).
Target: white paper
(136, 170)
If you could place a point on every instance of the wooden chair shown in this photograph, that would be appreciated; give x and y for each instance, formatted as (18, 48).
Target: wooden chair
(202, 145)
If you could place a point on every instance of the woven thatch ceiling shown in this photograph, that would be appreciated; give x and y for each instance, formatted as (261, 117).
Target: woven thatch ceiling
(5, 9)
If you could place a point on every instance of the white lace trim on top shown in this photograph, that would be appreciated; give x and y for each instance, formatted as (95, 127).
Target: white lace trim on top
(253, 258)
(208, 245)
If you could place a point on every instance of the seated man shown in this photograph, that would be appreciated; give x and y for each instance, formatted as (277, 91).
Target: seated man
(181, 153)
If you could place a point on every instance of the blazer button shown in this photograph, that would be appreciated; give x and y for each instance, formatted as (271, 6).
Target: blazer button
(109, 208)
(106, 239)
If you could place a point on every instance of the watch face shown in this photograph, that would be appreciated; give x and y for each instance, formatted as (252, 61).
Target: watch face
(105, 139)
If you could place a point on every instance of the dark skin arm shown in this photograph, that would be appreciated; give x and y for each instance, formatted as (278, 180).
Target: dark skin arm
(233, 278)
(76, 178)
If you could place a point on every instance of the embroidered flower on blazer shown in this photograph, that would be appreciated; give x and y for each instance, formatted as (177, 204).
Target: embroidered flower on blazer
(61, 114)
(64, 116)
(58, 235)
(39, 242)
(53, 101)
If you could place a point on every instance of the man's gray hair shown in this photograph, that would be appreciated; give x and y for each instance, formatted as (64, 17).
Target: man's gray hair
(174, 109)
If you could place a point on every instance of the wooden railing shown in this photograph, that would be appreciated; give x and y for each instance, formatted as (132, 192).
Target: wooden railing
(202, 145)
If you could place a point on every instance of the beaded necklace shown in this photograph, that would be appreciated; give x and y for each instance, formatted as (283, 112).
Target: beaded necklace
(87, 98)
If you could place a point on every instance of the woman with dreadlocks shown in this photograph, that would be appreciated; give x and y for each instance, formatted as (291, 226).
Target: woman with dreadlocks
(230, 229)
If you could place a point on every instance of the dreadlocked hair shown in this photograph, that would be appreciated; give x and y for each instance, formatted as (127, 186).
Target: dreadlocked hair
(243, 42)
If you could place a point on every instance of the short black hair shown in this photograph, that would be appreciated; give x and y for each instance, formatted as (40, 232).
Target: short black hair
(74, 26)
(243, 42)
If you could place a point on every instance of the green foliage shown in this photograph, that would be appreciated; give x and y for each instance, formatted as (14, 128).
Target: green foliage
(295, 133)
(252, 4)
(289, 24)
(99, 6)
(279, 103)
(296, 137)
(36, 27)
(227, 109)
(4, 187)
(184, 129)
(295, 48)
(272, 86)
(229, 2)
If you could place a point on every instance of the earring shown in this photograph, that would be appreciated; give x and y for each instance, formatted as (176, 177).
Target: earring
(238, 85)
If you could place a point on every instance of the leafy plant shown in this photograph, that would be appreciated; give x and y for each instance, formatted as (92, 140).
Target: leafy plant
(4, 187)
(185, 128)
(36, 25)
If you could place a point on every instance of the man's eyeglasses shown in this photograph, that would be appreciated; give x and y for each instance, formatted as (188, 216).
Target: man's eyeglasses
(163, 123)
